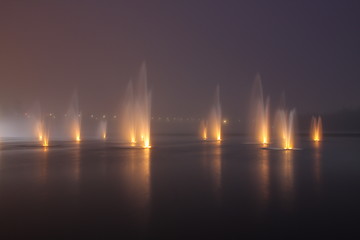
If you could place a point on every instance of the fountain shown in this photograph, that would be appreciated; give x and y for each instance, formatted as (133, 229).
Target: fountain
(136, 115)
(285, 128)
(203, 130)
(74, 119)
(316, 129)
(102, 129)
(211, 129)
(259, 114)
(45, 137)
(41, 130)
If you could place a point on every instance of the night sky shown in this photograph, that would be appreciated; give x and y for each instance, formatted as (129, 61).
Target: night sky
(308, 49)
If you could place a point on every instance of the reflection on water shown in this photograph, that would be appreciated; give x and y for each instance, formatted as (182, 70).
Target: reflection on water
(77, 163)
(287, 178)
(317, 163)
(212, 164)
(263, 172)
(136, 176)
(43, 166)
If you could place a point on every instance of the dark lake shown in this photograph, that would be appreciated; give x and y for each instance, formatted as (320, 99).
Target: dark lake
(182, 188)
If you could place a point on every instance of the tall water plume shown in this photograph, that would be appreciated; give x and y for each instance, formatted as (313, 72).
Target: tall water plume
(39, 125)
(259, 124)
(136, 112)
(285, 121)
(73, 117)
(211, 128)
(102, 131)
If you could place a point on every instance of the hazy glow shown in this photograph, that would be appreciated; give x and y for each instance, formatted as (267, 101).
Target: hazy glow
(316, 129)
(136, 117)
(211, 129)
(259, 114)
(285, 128)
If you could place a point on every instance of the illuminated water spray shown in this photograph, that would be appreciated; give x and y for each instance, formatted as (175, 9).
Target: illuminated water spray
(42, 132)
(45, 137)
(316, 129)
(136, 112)
(211, 129)
(103, 129)
(203, 130)
(73, 116)
(259, 114)
(40, 128)
(285, 128)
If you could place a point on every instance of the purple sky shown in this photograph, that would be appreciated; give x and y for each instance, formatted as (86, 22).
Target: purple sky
(308, 49)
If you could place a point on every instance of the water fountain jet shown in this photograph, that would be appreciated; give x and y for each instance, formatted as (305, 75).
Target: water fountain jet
(316, 129)
(285, 128)
(74, 119)
(103, 129)
(211, 129)
(136, 115)
(259, 114)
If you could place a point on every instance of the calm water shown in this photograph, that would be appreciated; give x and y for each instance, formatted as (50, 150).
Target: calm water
(180, 189)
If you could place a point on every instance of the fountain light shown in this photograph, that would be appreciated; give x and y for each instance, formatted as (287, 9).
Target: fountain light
(211, 128)
(203, 130)
(45, 142)
(285, 123)
(74, 119)
(204, 134)
(316, 129)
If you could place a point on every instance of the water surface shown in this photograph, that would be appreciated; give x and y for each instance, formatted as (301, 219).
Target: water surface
(182, 188)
